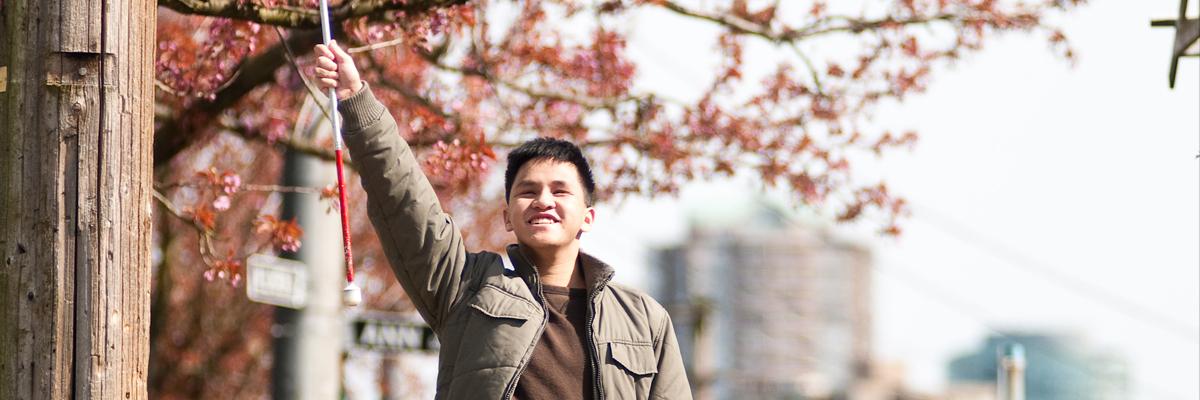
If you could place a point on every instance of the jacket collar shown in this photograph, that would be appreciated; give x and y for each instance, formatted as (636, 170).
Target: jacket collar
(595, 272)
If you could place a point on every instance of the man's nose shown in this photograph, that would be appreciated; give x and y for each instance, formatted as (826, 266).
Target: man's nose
(544, 200)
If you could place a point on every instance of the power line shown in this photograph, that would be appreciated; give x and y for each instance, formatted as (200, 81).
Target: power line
(974, 311)
(1017, 259)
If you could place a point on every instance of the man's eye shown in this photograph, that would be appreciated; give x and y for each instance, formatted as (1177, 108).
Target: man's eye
(564, 192)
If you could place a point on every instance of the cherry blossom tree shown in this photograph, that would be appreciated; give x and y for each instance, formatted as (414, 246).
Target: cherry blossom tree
(467, 81)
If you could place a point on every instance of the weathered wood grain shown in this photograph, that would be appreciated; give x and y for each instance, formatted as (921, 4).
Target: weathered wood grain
(76, 126)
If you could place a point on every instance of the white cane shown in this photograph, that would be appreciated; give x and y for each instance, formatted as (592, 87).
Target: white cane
(351, 295)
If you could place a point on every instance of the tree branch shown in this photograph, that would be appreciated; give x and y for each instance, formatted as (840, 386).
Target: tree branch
(408, 93)
(249, 187)
(730, 21)
(300, 17)
(172, 209)
(312, 90)
(303, 146)
(826, 25)
(289, 142)
(281, 189)
(376, 46)
(205, 245)
(586, 101)
(176, 134)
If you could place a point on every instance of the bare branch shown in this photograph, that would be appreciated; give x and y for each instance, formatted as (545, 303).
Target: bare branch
(586, 101)
(281, 189)
(834, 24)
(249, 187)
(205, 246)
(376, 46)
(163, 87)
(823, 26)
(812, 69)
(289, 142)
(299, 17)
(730, 21)
(408, 93)
(170, 206)
(312, 90)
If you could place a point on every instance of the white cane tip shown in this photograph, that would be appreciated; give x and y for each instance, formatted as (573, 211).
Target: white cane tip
(351, 295)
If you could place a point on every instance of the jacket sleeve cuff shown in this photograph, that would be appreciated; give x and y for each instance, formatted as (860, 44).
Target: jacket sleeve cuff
(360, 110)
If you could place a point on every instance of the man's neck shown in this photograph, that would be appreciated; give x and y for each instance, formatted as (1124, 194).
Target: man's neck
(557, 267)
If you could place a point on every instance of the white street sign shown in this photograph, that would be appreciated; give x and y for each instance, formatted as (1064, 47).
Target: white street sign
(276, 281)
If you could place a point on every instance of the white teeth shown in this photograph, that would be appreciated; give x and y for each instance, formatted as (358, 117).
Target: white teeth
(540, 221)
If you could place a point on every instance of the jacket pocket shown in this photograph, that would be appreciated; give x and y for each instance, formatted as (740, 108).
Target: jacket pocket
(637, 359)
(497, 303)
(629, 370)
(497, 330)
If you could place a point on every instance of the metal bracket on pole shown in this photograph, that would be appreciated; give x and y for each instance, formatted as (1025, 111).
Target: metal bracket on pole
(1187, 31)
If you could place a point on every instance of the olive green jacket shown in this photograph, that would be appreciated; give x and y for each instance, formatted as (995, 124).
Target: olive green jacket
(489, 318)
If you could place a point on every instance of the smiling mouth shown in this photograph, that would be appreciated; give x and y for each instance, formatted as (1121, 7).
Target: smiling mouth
(542, 221)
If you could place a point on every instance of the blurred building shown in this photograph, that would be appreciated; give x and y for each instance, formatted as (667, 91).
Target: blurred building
(766, 309)
(1057, 367)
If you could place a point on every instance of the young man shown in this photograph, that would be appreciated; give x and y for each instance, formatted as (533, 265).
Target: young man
(553, 327)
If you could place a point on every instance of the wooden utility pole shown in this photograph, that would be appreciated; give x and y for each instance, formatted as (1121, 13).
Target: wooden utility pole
(76, 125)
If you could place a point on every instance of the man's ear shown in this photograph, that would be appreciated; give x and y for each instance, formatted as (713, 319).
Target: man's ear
(589, 217)
(507, 223)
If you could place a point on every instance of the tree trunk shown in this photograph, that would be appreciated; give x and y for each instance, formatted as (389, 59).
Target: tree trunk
(76, 123)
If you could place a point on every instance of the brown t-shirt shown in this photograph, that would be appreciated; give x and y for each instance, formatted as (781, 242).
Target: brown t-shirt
(560, 366)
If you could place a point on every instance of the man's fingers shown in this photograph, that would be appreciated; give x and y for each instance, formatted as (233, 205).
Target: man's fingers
(326, 63)
(337, 50)
(324, 70)
(327, 76)
(334, 66)
(323, 50)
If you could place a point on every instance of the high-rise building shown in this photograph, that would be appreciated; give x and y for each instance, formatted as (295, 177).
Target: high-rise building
(767, 309)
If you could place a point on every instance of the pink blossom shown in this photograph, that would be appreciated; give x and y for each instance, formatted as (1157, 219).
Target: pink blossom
(292, 245)
(231, 183)
(221, 203)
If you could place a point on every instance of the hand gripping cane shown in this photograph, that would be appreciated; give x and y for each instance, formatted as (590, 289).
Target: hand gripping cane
(351, 295)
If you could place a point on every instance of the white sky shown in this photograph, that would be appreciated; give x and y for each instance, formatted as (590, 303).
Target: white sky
(1025, 164)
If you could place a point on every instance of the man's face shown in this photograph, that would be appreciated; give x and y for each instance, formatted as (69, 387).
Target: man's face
(547, 207)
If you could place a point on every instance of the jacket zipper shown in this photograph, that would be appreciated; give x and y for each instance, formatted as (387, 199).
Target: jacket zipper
(512, 385)
(597, 389)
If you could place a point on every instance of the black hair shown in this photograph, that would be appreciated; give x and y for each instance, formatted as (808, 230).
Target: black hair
(550, 149)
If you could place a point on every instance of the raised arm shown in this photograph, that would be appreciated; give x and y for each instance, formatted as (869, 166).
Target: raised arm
(422, 243)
